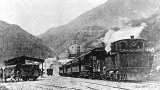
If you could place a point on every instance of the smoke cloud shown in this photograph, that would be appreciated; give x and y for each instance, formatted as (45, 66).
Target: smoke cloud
(123, 33)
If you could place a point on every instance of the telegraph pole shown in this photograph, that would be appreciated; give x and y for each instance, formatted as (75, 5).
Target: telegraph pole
(78, 51)
(79, 59)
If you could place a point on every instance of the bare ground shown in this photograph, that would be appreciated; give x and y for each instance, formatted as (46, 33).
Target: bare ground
(68, 83)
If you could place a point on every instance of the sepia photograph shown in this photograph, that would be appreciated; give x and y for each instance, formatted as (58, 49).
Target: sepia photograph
(79, 44)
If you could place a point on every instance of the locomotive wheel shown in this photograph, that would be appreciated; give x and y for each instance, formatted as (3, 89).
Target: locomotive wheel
(35, 78)
(17, 79)
(117, 77)
(123, 77)
(105, 76)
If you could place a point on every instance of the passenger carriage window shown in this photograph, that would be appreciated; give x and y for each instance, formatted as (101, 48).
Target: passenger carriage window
(118, 46)
(87, 60)
(94, 58)
(113, 46)
(73, 64)
(140, 45)
(123, 45)
(133, 45)
(76, 63)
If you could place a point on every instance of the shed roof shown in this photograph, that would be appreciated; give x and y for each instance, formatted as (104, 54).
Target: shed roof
(22, 59)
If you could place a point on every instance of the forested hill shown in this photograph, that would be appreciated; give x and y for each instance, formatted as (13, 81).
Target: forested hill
(15, 42)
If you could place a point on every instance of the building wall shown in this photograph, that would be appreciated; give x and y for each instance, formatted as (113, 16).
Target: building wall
(50, 63)
(73, 49)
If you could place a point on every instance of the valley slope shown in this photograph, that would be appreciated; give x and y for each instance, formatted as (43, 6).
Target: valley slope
(112, 14)
(15, 42)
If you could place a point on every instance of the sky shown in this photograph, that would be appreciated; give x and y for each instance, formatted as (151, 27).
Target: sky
(37, 16)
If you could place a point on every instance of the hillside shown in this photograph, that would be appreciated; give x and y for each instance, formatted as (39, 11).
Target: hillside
(152, 33)
(14, 42)
(114, 13)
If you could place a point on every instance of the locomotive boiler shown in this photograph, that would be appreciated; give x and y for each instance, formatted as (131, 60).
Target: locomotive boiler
(129, 59)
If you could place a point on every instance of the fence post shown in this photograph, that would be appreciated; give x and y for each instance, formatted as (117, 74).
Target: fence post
(3, 71)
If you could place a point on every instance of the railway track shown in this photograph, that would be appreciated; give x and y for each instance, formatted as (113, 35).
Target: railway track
(68, 83)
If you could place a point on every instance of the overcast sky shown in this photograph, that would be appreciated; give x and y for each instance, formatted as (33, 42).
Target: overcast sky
(37, 16)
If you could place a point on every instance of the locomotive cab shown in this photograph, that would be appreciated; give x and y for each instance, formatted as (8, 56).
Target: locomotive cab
(132, 58)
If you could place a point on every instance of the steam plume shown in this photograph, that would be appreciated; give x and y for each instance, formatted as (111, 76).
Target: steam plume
(123, 33)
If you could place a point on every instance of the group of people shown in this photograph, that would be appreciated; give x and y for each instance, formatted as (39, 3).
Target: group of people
(13, 74)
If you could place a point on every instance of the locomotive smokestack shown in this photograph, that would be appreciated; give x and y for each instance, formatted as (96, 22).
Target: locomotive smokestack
(132, 37)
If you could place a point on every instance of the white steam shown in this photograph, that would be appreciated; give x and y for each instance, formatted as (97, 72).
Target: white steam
(123, 33)
(107, 39)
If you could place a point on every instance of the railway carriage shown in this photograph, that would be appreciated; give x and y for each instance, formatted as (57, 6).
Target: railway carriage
(87, 65)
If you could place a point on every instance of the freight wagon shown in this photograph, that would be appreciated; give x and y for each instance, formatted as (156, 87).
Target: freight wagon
(23, 71)
(17, 69)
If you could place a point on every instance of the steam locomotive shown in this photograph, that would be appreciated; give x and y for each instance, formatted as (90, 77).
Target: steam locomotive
(129, 59)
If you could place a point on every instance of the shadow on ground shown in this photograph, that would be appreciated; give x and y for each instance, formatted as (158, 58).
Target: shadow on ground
(20, 80)
(3, 88)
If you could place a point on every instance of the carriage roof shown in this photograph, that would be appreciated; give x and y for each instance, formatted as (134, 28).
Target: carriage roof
(129, 40)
